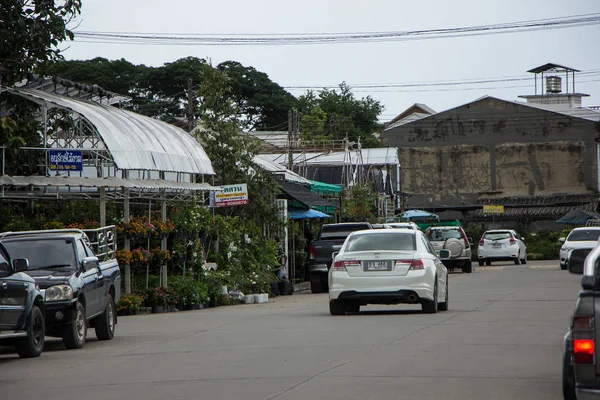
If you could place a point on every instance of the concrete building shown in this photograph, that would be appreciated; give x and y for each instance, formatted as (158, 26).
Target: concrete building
(539, 159)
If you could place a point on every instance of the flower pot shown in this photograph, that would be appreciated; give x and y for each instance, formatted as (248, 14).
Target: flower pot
(257, 298)
(158, 309)
(265, 297)
(249, 299)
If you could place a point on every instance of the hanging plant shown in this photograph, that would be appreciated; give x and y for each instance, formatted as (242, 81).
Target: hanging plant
(123, 257)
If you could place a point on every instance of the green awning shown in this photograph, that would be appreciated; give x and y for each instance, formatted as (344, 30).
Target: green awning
(326, 188)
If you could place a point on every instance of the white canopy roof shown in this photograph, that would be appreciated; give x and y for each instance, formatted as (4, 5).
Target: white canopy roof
(135, 142)
(378, 156)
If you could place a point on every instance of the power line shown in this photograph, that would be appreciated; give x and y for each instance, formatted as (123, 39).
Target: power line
(337, 38)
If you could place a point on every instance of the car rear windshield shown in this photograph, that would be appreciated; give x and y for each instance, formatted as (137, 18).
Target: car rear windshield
(497, 235)
(381, 241)
(402, 226)
(340, 231)
(584, 235)
(436, 235)
(43, 253)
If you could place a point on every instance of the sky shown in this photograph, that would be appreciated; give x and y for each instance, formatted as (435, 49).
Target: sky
(433, 60)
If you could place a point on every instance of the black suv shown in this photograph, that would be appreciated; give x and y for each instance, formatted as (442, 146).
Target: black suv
(21, 307)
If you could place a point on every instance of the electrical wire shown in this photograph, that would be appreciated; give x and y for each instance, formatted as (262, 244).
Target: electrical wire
(337, 38)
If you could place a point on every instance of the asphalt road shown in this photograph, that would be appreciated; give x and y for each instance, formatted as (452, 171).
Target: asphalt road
(501, 339)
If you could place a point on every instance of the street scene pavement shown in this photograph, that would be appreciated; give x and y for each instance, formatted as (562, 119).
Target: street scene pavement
(501, 339)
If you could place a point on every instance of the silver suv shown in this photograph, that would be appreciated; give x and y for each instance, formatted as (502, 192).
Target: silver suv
(453, 239)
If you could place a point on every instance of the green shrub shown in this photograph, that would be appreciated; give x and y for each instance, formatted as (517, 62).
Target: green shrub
(189, 290)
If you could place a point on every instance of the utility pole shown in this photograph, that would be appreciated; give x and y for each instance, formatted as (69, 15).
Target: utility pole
(292, 135)
(190, 106)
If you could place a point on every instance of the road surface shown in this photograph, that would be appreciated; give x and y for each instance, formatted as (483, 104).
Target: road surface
(501, 339)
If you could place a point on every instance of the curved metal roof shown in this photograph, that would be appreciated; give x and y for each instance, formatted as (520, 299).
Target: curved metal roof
(135, 142)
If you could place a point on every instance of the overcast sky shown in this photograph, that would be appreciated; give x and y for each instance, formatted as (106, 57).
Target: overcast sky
(365, 63)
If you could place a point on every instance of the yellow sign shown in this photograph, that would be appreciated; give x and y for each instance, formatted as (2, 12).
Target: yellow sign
(493, 210)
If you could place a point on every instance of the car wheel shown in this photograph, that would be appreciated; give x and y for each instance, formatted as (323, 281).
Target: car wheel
(75, 333)
(316, 287)
(516, 260)
(468, 267)
(524, 259)
(105, 323)
(488, 263)
(444, 306)
(568, 379)
(353, 308)
(481, 263)
(563, 267)
(431, 306)
(337, 307)
(33, 344)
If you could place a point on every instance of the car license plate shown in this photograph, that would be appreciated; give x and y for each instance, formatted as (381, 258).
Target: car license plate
(377, 265)
(497, 245)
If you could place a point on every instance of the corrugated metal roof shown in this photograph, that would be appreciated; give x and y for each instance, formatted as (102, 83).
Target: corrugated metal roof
(273, 167)
(135, 142)
(72, 181)
(377, 156)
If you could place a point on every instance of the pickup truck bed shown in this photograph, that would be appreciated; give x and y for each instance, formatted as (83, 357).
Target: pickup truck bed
(330, 240)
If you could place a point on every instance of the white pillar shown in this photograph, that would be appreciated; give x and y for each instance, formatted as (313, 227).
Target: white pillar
(127, 267)
(163, 243)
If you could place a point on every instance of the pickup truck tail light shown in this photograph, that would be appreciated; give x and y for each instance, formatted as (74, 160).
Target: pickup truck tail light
(311, 251)
(583, 351)
(415, 264)
(341, 265)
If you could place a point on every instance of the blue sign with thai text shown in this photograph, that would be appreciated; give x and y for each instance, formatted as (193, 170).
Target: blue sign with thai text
(66, 160)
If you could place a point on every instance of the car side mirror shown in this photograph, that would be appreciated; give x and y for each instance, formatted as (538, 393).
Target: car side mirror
(561, 240)
(444, 254)
(576, 261)
(334, 254)
(20, 264)
(89, 263)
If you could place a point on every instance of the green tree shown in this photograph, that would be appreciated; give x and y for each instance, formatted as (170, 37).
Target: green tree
(359, 203)
(232, 153)
(30, 33)
(346, 115)
(261, 103)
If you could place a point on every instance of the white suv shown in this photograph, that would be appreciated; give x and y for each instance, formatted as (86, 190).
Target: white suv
(579, 238)
(454, 239)
(501, 245)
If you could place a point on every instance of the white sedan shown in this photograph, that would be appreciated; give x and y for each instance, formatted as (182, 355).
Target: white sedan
(388, 266)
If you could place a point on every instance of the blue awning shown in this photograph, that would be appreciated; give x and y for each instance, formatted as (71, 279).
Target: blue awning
(299, 213)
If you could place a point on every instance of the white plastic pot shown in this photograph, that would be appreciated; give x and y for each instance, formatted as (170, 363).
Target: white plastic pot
(257, 298)
(249, 299)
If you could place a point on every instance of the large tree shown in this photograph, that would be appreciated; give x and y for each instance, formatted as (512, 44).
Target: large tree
(30, 33)
(343, 113)
(232, 153)
(261, 103)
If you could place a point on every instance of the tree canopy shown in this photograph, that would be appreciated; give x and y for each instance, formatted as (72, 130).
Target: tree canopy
(30, 32)
(333, 114)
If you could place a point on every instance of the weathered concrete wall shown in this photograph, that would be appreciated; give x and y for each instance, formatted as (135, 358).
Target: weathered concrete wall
(494, 146)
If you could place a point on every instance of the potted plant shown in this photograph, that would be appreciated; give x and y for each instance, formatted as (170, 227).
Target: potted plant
(160, 299)
(129, 304)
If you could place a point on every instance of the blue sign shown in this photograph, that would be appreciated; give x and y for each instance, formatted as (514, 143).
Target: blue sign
(66, 160)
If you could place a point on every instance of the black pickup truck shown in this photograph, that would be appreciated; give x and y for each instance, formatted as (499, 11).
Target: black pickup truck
(78, 275)
(330, 239)
(21, 307)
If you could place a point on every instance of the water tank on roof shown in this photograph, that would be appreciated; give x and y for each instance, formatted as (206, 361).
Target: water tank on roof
(553, 84)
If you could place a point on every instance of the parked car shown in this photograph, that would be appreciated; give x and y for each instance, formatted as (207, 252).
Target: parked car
(330, 239)
(454, 239)
(578, 238)
(390, 266)
(79, 289)
(21, 307)
(404, 225)
(501, 245)
(581, 350)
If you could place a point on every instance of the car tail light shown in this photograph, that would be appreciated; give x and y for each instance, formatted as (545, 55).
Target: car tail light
(311, 251)
(415, 264)
(466, 239)
(481, 242)
(513, 240)
(583, 351)
(341, 265)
